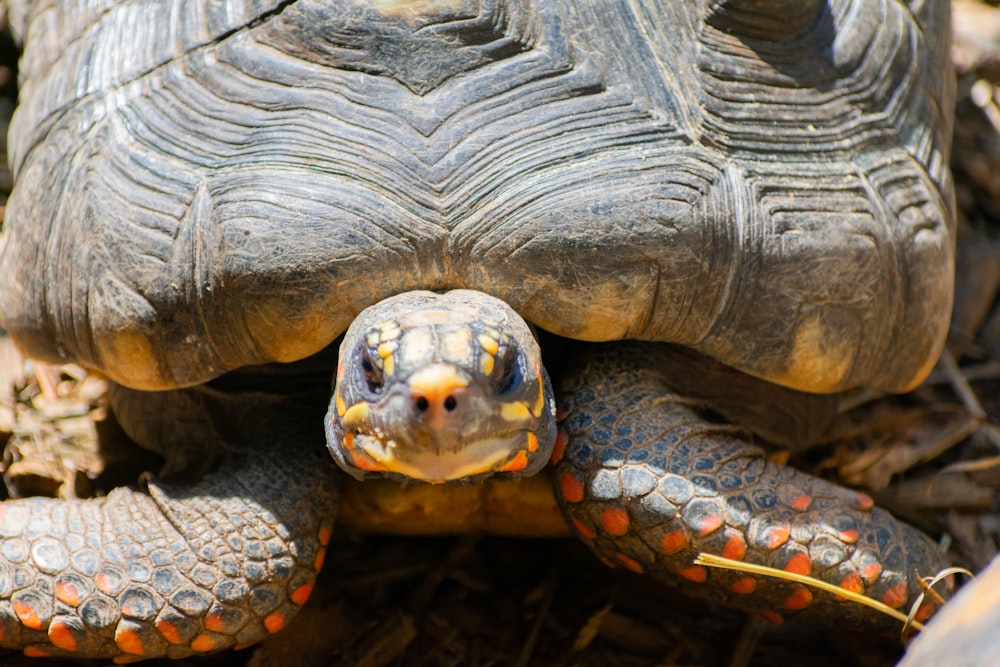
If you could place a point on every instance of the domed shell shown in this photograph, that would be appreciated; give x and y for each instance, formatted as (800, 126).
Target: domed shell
(202, 186)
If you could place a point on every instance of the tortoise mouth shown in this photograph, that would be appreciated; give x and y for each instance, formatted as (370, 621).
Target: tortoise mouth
(512, 453)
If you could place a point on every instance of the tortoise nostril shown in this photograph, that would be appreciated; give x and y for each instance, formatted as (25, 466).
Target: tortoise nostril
(450, 403)
(421, 404)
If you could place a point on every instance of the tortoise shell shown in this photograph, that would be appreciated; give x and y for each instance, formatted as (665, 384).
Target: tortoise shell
(206, 186)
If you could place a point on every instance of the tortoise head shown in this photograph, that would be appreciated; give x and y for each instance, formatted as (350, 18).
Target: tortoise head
(440, 388)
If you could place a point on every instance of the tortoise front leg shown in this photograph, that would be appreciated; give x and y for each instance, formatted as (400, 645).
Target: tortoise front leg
(649, 482)
(176, 569)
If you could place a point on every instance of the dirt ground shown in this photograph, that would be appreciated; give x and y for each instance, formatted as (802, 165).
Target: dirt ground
(932, 457)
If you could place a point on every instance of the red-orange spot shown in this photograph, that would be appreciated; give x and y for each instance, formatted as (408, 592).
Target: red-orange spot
(849, 536)
(777, 537)
(129, 641)
(105, 583)
(710, 524)
(799, 564)
(615, 521)
(925, 612)
(519, 462)
(772, 617)
(744, 586)
(871, 572)
(799, 599)
(363, 462)
(37, 652)
(67, 593)
(582, 528)
(571, 488)
(864, 501)
(735, 548)
(274, 622)
(203, 644)
(214, 623)
(60, 635)
(853, 583)
(320, 557)
(532, 442)
(695, 573)
(802, 503)
(348, 441)
(169, 631)
(895, 596)
(674, 541)
(325, 532)
(301, 594)
(559, 448)
(631, 563)
(27, 615)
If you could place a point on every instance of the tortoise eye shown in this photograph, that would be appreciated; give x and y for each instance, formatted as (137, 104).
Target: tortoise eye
(371, 371)
(508, 372)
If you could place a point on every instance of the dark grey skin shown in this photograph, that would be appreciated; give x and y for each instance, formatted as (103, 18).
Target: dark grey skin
(760, 181)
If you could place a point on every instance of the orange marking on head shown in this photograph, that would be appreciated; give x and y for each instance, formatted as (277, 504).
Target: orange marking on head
(710, 524)
(203, 644)
(169, 632)
(301, 594)
(744, 586)
(615, 521)
(802, 503)
(559, 448)
(871, 572)
(129, 641)
(631, 563)
(27, 615)
(853, 583)
(582, 528)
(363, 462)
(67, 594)
(274, 622)
(674, 541)
(799, 599)
(799, 564)
(325, 533)
(519, 462)
(896, 596)
(849, 536)
(348, 441)
(777, 537)
(735, 548)
(772, 617)
(60, 635)
(37, 652)
(320, 557)
(339, 401)
(864, 501)
(571, 487)
(695, 573)
(215, 623)
(532, 442)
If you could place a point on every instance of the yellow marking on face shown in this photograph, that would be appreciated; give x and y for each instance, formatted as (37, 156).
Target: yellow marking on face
(388, 364)
(385, 349)
(515, 411)
(341, 406)
(372, 338)
(355, 416)
(488, 343)
(486, 365)
(536, 409)
(436, 379)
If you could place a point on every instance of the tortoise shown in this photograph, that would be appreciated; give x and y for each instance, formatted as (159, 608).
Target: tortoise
(710, 217)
